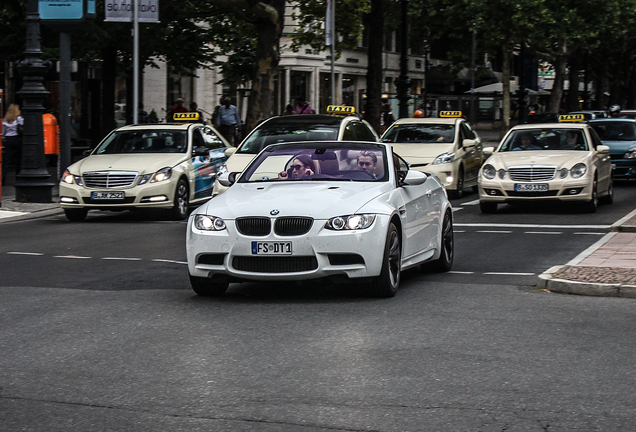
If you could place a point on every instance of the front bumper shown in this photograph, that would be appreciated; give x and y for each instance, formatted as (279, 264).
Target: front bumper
(318, 254)
(447, 173)
(624, 169)
(149, 195)
(503, 191)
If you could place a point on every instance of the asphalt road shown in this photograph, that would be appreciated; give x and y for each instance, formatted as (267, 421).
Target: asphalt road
(99, 331)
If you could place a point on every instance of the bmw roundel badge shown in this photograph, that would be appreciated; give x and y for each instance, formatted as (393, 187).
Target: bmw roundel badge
(274, 212)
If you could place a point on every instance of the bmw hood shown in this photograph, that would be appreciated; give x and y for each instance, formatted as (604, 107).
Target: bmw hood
(320, 200)
(140, 163)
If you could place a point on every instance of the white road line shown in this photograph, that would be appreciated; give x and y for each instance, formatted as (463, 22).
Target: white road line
(495, 232)
(494, 225)
(459, 231)
(25, 253)
(509, 274)
(457, 209)
(460, 272)
(169, 261)
(72, 256)
(588, 233)
(543, 232)
(122, 259)
(470, 203)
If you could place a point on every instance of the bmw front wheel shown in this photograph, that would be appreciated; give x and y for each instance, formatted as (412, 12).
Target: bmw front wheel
(386, 285)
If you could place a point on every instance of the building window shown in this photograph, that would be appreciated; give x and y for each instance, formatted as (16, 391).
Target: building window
(179, 86)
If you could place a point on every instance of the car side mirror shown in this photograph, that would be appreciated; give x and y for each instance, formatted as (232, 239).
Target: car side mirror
(468, 143)
(414, 178)
(488, 151)
(230, 151)
(227, 179)
(201, 151)
(603, 149)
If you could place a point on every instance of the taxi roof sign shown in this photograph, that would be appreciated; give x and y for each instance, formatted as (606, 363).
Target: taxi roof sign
(450, 113)
(186, 116)
(571, 117)
(340, 109)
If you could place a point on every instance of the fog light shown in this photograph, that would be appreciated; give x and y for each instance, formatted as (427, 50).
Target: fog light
(158, 198)
(69, 200)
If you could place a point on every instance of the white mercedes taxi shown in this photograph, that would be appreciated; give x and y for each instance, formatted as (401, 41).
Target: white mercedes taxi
(552, 161)
(150, 166)
(447, 146)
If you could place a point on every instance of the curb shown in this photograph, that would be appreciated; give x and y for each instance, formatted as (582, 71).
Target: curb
(583, 288)
(621, 226)
(32, 215)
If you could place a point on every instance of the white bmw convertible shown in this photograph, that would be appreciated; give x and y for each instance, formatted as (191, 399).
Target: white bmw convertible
(312, 210)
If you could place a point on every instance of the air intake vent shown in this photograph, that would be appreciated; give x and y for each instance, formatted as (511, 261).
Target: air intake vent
(274, 264)
(532, 173)
(292, 226)
(255, 226)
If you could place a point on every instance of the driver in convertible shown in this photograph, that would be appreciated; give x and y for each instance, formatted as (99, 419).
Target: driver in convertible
(367, 161)
(301, 167)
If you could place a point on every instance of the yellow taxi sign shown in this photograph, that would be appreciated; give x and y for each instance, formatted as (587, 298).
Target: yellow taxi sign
(571, 117)
(186, 116)
(339, 109)
(450, 113)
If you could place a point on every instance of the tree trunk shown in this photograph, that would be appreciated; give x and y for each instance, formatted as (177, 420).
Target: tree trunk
(505, 125)
(373, 107)
(559, 73)
(261, 99)
(573, 91)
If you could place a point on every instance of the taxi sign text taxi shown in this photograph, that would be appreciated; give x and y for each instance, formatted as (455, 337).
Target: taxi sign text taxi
(339, 109)
(186, 116)
(450, 113)
(571, 117)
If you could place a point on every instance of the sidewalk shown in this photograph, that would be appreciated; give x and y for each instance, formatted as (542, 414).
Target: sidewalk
(607, 268)
(12, 210)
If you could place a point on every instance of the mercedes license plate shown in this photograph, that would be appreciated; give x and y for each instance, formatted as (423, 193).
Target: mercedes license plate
(107, 195)
(529, 187)
(271, 248)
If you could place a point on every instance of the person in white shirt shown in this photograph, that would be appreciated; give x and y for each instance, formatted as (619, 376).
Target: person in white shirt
(11, 146)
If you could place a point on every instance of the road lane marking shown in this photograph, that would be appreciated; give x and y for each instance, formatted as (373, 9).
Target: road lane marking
(470, 203)
(72, 256)
(460, 272)
(538, 226)
(543, 232)
(508, 274)
(169, 261)
(25, 253)
(122, 259)
(589, 233)
(495, 232)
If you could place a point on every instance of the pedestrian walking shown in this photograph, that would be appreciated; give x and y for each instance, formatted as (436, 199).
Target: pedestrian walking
(12, 125)
(228, 121)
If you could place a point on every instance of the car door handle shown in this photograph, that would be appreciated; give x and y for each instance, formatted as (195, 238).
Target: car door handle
(402, 211)
(428, 192)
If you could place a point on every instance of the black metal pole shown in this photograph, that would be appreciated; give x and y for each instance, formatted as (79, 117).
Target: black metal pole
(472, 77)
(32, 183)
(403, 83)
(65, 103)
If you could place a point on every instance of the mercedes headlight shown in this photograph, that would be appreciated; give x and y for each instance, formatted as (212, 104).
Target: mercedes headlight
(578, 170)
(350, 222)
(489, 171)
(209, 223)
(444, 158)
(162, 175)
(69, 178)
(631, 154)
(221, 170)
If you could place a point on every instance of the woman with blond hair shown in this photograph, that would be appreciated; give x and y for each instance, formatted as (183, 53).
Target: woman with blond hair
(11, 127)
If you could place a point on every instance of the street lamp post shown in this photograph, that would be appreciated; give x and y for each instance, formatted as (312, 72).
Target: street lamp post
(403, 83)
(32, 183)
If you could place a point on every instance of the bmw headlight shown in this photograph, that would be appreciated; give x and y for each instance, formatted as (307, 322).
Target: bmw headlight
(444, 158)
(350, 222)
(631, 154)
(209, 223)
(489, 171)
(578, 170)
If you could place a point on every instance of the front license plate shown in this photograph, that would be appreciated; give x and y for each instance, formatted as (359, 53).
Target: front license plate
(271, 248)
(526, 187)
(107, 195)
